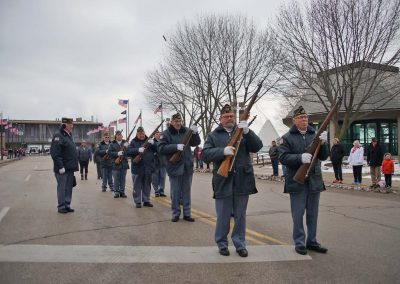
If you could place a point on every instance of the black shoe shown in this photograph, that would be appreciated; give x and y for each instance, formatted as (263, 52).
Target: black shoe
(62, 211)
(224, 252)
(103, 190)
(70, 210)
(162, 195)
(85, 177)
(148, 204)
(175, 219)
(301, 250)
(138, 205)
(188, 218)
(81, 177)
(157, 195)
(111, 189)
(116, 195)
(242, 252)
(123, 195)
(318, 248)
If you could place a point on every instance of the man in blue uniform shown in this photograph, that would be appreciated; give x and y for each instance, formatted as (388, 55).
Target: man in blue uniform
(231, 193)
(181, 173)
(120, 168)
(106, 163)
(303, 197)
(158, 178)
(65, 160)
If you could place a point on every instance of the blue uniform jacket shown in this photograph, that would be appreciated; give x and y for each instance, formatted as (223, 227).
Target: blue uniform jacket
(146, 164)
(63, 152)
(240, 180)
(167, 146)
(294, 144)
(113, 153)
(101, 152)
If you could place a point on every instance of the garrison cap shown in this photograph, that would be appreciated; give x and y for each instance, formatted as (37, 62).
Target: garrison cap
(226, 109)
(299, 111)
(118, 132)
(66, 120)
(140, 129)
(177, 116)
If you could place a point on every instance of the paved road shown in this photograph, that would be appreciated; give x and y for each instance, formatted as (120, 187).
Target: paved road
(107, 240)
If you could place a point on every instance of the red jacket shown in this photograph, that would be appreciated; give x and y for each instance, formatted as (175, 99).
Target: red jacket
(387, 167)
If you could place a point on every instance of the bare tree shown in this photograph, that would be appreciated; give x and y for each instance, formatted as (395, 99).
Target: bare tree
(342, 48)
(210, 62)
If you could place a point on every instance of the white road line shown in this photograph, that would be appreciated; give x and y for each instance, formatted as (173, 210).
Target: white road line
(28, 177)
(3, 212)
(142, 254)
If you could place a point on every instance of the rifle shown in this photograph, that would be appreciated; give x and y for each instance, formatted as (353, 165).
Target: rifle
(252, 120)
(118, 160)
(313, 149)
(176, 157)
(236, 138)
(138, 158)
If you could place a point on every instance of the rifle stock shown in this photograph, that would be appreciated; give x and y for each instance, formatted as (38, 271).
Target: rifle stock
(226, 165)
(313, 149)
(176, 157)
(118, 160)
(139, 156)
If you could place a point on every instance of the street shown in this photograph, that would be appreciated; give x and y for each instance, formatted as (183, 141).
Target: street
(107, 240)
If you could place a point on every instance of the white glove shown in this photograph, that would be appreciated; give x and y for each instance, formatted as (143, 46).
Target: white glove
(107, 151)
(229, 151)
(180, 147)
(126, 144)
(151, 141)
(120, 153)
(194, 129)
(61, 171)
(306, 158)
(141, 149)
(323, 137)
(243, 124)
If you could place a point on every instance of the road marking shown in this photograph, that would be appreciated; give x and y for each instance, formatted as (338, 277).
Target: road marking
(3, 212)
(142, 254)
(28, 177)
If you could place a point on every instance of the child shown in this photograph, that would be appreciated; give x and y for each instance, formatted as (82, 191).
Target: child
(388, 169)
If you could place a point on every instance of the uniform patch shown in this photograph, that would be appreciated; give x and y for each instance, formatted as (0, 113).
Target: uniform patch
(56, 138)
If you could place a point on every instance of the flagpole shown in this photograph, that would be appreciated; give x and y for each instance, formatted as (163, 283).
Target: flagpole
(141, 117)
(127, 119)
(162, 119)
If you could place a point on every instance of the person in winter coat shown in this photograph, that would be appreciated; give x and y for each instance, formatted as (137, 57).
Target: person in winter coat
(84, 156)
(231, 193)
(180, 173)
(356, 159)
(119, 168)
(158, 178)
(143, 169)
(337, 154)
(303, 197)
(65, 160)
(374, 159)
(106, 163)
(274, 156)
(388, 169)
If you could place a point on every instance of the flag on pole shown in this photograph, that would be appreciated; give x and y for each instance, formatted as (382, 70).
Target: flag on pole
(139, 117)
(4, 122)
(158, 109)
(124, 112)
(122, 120)
(113, 123)
(9, 125)
(123, 103)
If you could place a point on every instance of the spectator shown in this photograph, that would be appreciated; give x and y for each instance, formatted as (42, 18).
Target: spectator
(356, 159)
(274, 155)
(84, 156)
(388, 170)
(337, 154)
(374, 160)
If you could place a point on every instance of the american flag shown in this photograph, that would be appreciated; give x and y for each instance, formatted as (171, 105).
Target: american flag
(3, 122)
(122, 120)
(9, 125)
(158, 109)
(123, 103)
(139, 117)
(113, 123)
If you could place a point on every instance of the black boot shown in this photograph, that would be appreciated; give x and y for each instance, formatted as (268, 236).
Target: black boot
(81, 176)
(85, 176)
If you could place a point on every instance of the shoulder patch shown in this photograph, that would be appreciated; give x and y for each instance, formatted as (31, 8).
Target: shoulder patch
(56, 138)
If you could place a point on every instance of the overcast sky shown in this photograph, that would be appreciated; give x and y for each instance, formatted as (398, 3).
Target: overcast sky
(76, 58)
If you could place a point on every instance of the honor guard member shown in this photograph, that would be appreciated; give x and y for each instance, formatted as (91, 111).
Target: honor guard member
(84, 156)
(181, 173)
(65, 159)
(158, 178)
(231, 193)
(119, 169)
(106, 163)
(303, 197)
(142, 171)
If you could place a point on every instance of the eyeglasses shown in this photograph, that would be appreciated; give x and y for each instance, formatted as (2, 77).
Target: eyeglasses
(106, 136)
(228, 116)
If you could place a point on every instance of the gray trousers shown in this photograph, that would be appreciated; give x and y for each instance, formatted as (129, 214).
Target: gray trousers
(300, 202)
(180, 187)
(107, 177)
(119, 180)
(64, 189)
(224, 208)
(141, 188)
(158, 180)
